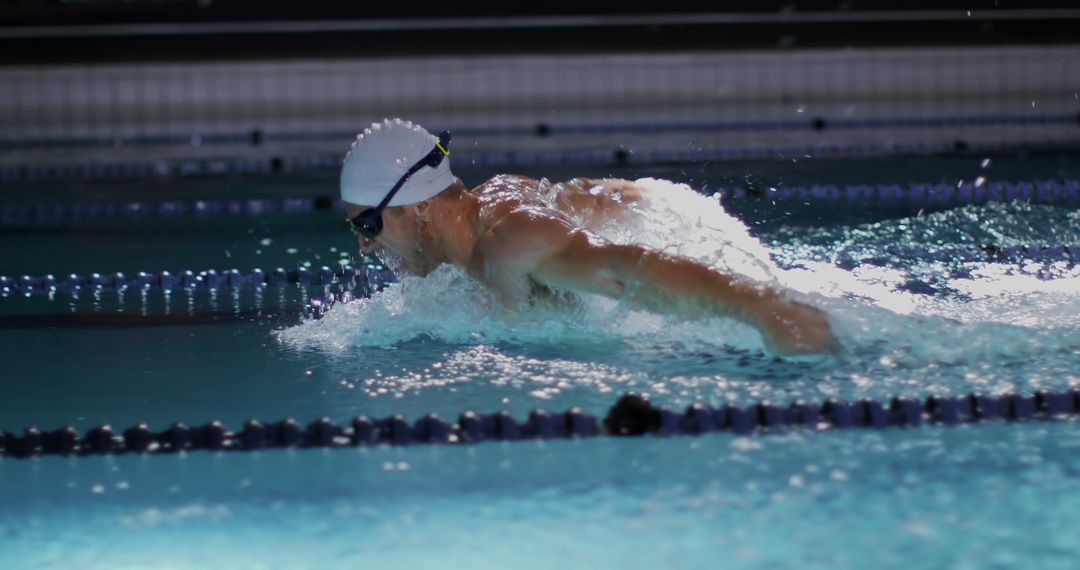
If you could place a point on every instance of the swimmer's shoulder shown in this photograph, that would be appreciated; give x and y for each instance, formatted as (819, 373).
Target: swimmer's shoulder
(505, 193)
(502, 182)
(499, 196)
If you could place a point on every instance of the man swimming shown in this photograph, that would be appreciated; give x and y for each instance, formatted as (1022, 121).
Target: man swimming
(528, 241)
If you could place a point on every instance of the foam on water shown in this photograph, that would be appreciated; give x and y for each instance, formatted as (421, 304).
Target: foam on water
(679, 221)
(907, 325)
(449, 306)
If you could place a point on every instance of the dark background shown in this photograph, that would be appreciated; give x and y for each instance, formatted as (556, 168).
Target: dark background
(81, 12)
(81, 31)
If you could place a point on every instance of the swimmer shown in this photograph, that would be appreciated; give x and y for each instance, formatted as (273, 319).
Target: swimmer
(529, 241)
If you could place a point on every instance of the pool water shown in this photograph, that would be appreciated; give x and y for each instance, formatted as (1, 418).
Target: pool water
(971, 497)
(912, 322)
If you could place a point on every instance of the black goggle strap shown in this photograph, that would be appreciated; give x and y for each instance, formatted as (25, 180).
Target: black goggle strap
(433, 159)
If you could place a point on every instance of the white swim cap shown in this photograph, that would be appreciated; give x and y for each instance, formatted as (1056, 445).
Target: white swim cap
(379, 158)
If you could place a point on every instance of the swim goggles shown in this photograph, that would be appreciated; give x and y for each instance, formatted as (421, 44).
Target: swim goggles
(369, 223)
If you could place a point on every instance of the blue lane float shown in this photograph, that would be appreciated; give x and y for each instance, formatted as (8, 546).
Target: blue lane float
(376, 276)
(1044, 256)
(51, 214)
(1050, 192)
(631, 416)
(366, 276)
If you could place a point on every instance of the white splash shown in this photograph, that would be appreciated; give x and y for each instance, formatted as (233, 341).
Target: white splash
(675, 219)
(449, 306)
(868, 306)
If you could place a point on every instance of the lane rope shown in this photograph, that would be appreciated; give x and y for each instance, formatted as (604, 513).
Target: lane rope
(47, 214)
(631, 415)
(1050, 192)
(210, 279)
(377, 276)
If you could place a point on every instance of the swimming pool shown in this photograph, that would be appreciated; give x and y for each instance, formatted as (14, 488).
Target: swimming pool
(917, 315)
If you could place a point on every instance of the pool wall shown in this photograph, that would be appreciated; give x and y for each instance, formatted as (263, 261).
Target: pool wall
(224, 117)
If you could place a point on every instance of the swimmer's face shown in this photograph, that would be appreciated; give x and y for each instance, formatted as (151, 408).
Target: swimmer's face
(401, 238)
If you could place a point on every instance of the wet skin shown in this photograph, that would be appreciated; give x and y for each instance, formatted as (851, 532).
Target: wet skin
(525, 238)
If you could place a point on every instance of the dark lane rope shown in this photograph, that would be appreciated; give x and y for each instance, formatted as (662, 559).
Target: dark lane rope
(632, 415)
(1052, 192)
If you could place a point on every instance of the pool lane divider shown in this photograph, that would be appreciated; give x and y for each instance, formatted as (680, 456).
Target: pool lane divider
(1049, 192)
(376, 276)
(632, 415)
(46, 214)
(366, 276)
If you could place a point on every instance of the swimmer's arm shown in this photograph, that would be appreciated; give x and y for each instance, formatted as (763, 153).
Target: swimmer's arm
(665, 284)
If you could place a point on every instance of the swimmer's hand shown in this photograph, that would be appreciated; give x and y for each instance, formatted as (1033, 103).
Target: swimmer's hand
(790, 328)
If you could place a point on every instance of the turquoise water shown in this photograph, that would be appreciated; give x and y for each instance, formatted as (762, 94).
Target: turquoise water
(910, 324)
(971, 497)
